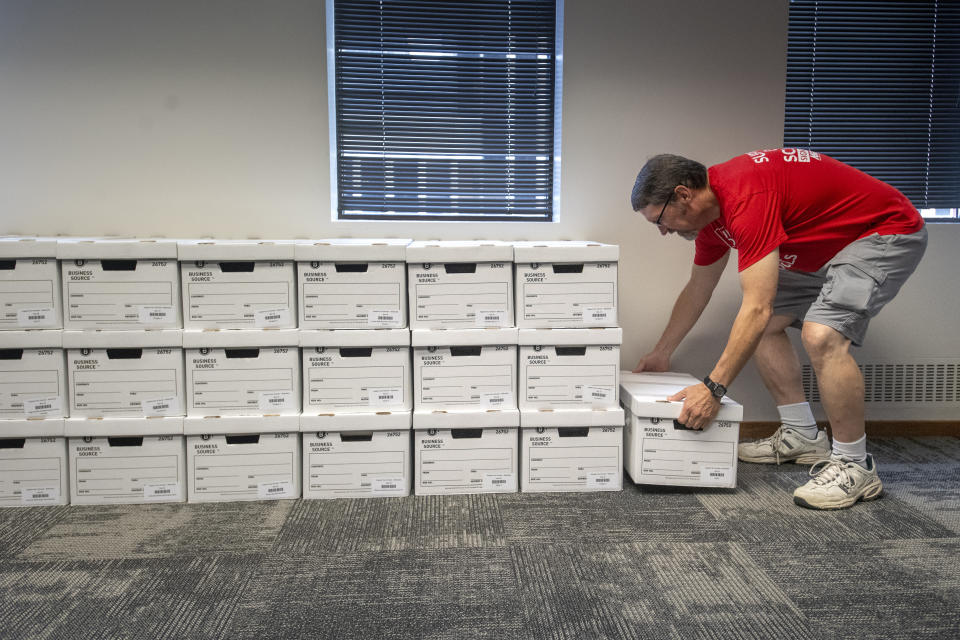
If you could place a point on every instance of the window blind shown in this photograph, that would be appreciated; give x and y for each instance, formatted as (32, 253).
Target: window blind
(877, 85)
(445, 109)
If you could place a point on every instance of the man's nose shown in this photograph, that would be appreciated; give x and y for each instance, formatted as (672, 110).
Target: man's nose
(664, 231)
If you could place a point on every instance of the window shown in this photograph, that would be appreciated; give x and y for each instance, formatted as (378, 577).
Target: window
(444, 110)
(877, 85)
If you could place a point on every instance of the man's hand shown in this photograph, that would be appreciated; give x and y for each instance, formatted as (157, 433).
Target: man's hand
(700, 406)
(653, 361)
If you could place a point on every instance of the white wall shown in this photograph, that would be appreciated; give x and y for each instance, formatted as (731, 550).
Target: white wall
(185, 118)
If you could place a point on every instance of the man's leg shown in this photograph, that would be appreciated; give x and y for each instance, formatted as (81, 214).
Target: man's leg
(839, 380)
(797, 439)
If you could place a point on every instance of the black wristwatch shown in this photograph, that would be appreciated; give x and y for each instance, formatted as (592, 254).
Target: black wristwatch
(717, 389)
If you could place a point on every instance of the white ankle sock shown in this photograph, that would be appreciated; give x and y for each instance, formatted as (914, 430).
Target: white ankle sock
(799, 417)
(854, 451)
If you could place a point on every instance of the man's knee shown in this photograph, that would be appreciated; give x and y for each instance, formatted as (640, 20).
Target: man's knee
(821, 341)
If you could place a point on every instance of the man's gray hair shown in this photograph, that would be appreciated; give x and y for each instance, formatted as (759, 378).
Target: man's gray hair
(661, 175)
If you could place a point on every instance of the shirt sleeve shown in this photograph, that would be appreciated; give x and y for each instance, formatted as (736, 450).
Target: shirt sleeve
(756, 227)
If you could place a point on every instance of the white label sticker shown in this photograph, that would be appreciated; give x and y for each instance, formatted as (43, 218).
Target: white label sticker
(39, 495)
(491, 318)
(161, 406)
(274, 401)
(385, 397)
(599, 479)
(268, 490)
(597, 315)
(716, 475)
(384, 318)
(272, 317)
(387, 486)
(498, 481)
(167, 491)
(500, 400)
(150, 314)
(41, 407)
(42, 317)
(598, 395)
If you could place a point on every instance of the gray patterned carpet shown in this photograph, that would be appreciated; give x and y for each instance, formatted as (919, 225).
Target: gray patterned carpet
(644, 563)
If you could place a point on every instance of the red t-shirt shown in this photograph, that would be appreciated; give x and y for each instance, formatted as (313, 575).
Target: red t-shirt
(808, 205)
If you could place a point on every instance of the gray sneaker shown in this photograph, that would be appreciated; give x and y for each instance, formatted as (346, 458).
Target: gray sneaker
(786, 445)
(839, 483)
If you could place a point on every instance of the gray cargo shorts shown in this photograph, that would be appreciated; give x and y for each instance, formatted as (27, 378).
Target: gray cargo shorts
(852, 288)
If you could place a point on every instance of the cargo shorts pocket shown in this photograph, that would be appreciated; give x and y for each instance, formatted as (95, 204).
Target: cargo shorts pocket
(852, 286)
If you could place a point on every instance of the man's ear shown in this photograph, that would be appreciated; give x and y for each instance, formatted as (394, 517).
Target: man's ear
(683, 193)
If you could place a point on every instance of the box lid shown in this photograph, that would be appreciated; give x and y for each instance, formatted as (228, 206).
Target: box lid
(463, 337)
(221, 425)
(382, 421)
(573, 418)
(210, 249)
(564, 251)
(352, 250)
(31, 339)
(659, 377)
(355, 338)
(506, 418)
(116, 248)
(459, 251)
(214, 338)
(99, 427)
(605, 336)
(94, 339)
(649, 400)
(32, 428)
(28, 247)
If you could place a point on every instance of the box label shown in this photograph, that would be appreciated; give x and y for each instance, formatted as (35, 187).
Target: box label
(598, 395)
(490, 317)
(497, 481)
(498, 400)
(387, 486)
(39, 317)
(39, 495)
(41, 407)
(272, 317)
(716, 475)
(385, 397)
(597, 315)
(599, 479)
(166, 491)
(271, 490)
(384, 318)
(156, 314)
(167, 406)
(273, 401)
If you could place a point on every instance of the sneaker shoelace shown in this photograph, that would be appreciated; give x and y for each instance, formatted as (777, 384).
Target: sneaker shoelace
(826, 471)
(775, 440)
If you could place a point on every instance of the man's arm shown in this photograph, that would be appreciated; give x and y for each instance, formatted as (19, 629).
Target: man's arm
(759, 284)
(687, 310)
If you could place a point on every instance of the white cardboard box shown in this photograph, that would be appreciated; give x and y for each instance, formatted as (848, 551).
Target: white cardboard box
(357, 456)
(33, 378)
(571, 450)
(460, 284)
(33, 472)
(658, 450)
(125, 382)
(29, 284)
(232, 468)
(127, 470)
(465, 459)
(566, 284)
(470, 369)
(361, 370)
(349, 283)
(242, 380)
(120, 285)
(569, 368)
(238, 284)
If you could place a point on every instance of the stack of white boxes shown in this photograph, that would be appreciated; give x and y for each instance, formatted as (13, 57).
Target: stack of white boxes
(122, 336)
(572, 425)
(357, 384)
(33, 383)
(465, 367)
(242, 370)
(660, 450)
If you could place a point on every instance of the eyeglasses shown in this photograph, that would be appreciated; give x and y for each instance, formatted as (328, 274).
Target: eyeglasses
(659, 217)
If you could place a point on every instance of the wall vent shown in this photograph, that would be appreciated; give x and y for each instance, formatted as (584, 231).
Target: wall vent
(917, 382)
